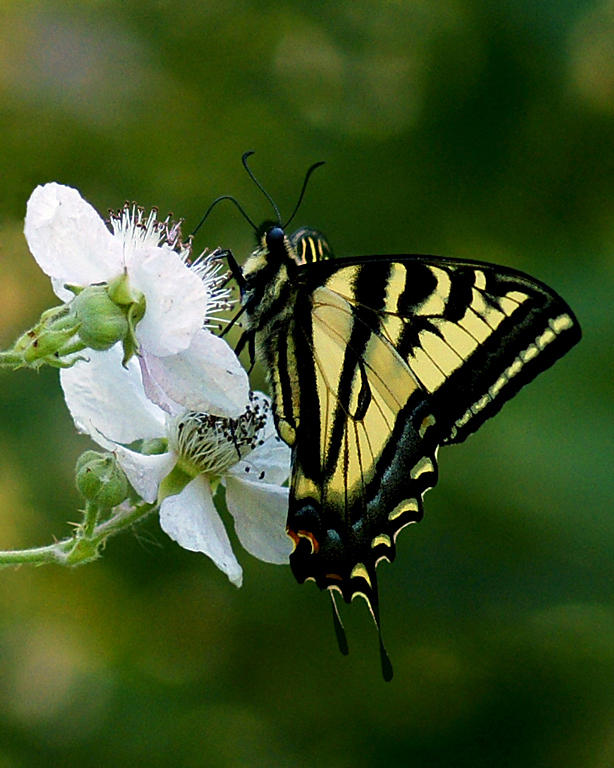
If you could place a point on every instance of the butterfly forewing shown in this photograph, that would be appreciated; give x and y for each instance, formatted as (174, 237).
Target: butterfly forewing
(471, 333)
(310, 245)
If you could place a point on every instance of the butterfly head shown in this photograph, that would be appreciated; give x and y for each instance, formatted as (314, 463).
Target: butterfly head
(271, 237)
(273, 253)
(275, 238)
(304, 246)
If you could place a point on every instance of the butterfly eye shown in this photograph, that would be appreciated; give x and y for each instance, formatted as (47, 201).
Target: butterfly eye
(275, 237)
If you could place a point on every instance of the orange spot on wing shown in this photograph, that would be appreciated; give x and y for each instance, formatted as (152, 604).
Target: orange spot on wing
(297, 535)
(293, 536)
(315, 545)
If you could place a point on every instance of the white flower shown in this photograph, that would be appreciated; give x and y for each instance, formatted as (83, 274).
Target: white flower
(182, 361)
(107, 402)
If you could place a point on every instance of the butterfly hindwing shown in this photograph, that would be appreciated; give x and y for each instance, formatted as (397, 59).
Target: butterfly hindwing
(361, 460)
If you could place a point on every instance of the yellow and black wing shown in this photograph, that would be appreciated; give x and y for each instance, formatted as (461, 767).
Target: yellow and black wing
(385, 359)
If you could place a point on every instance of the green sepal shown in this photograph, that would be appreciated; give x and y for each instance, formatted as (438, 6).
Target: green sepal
(136, 310)
(175, 481)
(120, 292)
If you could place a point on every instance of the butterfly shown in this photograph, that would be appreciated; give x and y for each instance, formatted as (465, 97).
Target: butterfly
(373, 363)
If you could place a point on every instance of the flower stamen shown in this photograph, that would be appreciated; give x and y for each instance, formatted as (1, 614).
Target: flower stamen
(208, 267)
(138, 230)
(212, 444)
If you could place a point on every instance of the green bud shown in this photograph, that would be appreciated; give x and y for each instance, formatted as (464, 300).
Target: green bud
(103, 323)
(154, 446)
(97, 317)
(100, 479)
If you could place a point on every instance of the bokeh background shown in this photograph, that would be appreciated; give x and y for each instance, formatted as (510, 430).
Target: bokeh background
(479, 130)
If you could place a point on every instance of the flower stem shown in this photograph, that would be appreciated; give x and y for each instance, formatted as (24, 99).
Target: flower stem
(82, 547)
(90, 518)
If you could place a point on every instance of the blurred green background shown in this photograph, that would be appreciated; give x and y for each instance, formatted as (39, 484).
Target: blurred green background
(472, 129)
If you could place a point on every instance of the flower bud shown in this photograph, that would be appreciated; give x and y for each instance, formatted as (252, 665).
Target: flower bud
(103, 323)
(100, 479)
(154, 446)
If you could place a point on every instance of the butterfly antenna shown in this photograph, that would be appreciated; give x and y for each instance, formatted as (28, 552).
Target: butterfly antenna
(219, 200)
(300, 197)
(258, 184)
(342, 640)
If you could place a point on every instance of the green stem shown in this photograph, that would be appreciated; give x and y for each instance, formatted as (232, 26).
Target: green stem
(53, 553)
(80, 548)
(90, 518)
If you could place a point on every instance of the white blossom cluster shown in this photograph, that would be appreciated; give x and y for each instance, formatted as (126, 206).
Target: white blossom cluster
(184, 390)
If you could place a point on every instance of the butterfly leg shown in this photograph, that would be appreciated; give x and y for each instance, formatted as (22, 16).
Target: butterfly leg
(247, 338)
(251, 346)
(235, 269)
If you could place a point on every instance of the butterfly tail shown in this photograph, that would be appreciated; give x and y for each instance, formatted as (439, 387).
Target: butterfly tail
(371, 598)
(338, 625)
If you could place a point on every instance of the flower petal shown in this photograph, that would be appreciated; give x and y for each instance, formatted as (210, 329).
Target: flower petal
(191, 519)
(145, 473)
(107, 401)
(268, 463)
(176, 299)
(207, 377)
(260, 511)
(68, 239)
(152, 386)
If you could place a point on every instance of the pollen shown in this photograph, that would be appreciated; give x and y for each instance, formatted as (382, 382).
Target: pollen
(213, 444)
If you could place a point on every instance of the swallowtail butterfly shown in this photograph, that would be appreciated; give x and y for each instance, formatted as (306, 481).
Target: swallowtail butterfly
(373, 363)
